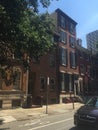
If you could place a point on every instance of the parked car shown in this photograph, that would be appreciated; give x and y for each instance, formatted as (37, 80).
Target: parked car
(87, 114)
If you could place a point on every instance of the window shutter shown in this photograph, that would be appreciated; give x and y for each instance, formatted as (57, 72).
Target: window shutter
(71, 59)
(76, 60)
(60, 50)
(66, 57)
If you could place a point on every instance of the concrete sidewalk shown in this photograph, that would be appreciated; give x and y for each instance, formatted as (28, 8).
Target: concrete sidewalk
(33, 113)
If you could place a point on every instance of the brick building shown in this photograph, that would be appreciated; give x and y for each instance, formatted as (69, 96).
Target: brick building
(93, 86)
(60, 65)
(43, 82)
(88, 71)
(84, 63)
(12, 84)
(67, 70)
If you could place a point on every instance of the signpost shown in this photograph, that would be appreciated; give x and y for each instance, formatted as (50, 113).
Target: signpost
(47, 95)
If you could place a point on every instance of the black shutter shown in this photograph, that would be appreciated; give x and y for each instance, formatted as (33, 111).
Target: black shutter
(71, 59)
(60, 50)
(66, 57)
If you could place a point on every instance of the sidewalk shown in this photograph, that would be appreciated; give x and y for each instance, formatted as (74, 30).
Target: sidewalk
(33, 113)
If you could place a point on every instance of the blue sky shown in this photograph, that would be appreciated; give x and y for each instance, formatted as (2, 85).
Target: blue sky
(84, 12)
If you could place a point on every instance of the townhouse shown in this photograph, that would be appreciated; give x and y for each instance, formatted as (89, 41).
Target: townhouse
(88, 71)
(69, 70)
(68, 67)
(84, 63)
(12, 83)
(66, 54)
(59, 65)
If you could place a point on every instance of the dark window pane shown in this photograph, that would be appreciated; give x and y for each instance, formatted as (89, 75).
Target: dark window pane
(52, 83)
(63, 36)
(62, 21)
(42, 82)
(72, 59)
(72, 28)
(72, 41)
(63, 56)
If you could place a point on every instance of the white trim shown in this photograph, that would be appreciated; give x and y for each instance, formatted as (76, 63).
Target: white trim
(63, 71)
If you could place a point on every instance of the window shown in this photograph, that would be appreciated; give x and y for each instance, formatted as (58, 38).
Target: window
(63, 36)
(88, 70)
(73, 59)
(96, 61)
(72, 28)
(63, 56)
(42, 82)
(86, 56)
(62, 21)
(72, 41)
(94, 73)
(81, 55)
(64, 82)
(16, 77)
(82, 69)
(62, 79)
(10, 76)
(52, 83)
(52, 60)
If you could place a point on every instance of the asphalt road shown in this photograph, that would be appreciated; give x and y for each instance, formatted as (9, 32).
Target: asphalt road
(62, 121)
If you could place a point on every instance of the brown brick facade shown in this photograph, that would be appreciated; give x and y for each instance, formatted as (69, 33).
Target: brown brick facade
(54, 77)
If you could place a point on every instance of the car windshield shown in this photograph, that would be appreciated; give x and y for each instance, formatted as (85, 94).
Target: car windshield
(92, 102)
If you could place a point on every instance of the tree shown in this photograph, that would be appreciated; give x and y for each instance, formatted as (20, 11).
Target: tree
(23, 29)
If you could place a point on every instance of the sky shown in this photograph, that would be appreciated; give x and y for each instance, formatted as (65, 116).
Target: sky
(84, 12)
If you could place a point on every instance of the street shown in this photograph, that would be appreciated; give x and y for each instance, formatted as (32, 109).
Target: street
(63, 121)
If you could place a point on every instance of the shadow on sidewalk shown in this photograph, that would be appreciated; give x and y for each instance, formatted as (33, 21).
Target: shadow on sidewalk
(4, 128)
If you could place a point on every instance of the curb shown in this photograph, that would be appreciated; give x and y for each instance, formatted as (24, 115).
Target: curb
(20, 114)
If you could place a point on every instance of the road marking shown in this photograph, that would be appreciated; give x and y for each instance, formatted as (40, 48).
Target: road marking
(45, 122)
(32, 122)
(51, 124)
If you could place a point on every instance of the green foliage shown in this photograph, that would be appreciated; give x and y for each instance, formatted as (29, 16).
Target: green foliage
(23, 29)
